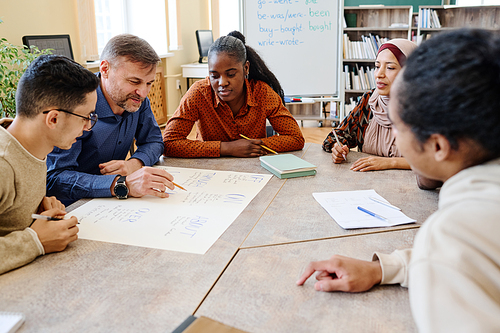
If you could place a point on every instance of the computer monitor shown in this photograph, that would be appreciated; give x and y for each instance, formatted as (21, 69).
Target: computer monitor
(205, 39)
(60, 44)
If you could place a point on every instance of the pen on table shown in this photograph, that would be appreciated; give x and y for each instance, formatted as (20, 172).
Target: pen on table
(47, 218)
(338, 142)
(364, 210)
(384, 203)
(267, 148)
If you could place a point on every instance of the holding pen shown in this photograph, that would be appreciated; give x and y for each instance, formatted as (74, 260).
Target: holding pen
(338, 142)
(267, 148)
(45, 217)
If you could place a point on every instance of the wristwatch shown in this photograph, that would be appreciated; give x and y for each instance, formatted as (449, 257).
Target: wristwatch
(121, 189)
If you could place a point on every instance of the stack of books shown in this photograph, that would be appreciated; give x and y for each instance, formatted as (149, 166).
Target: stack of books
(287, 166)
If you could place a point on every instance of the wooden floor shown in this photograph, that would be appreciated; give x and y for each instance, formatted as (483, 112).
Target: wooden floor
(314, 134)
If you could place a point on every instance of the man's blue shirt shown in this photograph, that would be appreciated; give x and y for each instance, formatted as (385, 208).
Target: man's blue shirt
(74, 174)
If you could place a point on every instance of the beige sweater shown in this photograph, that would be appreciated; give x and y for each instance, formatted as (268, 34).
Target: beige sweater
(453, 271)
(22, 189)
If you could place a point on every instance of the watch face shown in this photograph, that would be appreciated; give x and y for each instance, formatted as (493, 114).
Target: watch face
(121, 191)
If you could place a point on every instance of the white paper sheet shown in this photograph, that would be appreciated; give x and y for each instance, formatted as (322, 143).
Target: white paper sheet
(188, 221)
(343, 207)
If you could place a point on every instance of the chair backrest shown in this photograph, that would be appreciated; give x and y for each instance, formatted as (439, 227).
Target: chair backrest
(158, 97)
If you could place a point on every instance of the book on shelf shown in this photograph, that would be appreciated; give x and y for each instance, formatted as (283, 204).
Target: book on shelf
(429, 19)
(347, 77)
(361, 74)
(366, 48)
(287, 166)
(360, 77)
(349, 105)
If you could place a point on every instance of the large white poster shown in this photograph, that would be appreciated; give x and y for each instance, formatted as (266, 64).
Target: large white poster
(187, 221)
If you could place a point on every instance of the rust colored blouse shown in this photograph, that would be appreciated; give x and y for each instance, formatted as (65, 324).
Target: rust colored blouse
(216, 123)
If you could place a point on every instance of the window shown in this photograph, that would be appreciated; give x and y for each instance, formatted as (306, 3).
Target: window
(229, 16)
(225, 17)
(99, 20)
(108, 22)
(174, 35)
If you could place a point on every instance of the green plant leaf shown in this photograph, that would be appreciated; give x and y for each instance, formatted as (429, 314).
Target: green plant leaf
(14, 60)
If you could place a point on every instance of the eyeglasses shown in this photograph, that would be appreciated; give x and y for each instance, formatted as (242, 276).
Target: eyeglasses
(92, 117)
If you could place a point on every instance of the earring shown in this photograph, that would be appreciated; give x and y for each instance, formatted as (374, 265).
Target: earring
(246, 76)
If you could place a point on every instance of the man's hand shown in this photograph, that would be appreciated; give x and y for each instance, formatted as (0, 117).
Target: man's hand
(242, 148)
(148, 180)
(341, 273)
(338, 153)
(55, 235)
(49, 203)
(120, 167)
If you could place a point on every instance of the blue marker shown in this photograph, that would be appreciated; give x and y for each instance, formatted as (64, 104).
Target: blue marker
(364, 210)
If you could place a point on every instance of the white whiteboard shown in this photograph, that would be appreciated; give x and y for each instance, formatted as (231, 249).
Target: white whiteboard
(300, 42)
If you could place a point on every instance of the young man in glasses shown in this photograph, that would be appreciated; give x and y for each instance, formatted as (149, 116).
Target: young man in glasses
(55, 103)
(95, 166)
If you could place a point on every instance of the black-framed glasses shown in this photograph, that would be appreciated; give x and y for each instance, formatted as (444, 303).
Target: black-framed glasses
(92, 117)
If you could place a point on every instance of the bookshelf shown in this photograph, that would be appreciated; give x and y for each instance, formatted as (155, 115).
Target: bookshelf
(454, 17)
(366, 23)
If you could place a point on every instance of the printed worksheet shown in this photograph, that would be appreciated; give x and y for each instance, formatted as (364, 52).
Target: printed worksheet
(359, 209)
(187, 221)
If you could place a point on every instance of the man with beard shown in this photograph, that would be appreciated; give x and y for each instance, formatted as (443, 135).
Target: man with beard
(95, 166)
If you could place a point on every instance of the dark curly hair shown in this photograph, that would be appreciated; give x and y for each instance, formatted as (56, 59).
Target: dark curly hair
(450, 86)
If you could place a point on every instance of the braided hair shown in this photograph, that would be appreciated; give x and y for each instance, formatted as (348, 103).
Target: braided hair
(234, 45)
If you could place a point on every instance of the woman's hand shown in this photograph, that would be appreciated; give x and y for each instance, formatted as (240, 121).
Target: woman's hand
(373, 163)
(341, 273)
(339, 154)
(242, 148)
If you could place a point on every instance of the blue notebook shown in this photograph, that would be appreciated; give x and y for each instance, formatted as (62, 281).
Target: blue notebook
(287, 166)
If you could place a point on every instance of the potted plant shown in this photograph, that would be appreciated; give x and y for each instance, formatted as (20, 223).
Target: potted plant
(14, 60)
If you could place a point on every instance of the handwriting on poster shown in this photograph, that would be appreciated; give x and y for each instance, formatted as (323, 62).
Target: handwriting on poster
(187, 221)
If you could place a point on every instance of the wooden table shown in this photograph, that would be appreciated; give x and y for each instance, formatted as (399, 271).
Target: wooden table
(257, 292)
(100, 287)
(294, 215)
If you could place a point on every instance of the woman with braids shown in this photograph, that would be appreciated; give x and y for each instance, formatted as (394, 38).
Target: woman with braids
(367, 125)
(236, 98)
(445, 113)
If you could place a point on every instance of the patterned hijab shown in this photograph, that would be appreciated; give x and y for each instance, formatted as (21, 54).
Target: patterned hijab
(378, 136)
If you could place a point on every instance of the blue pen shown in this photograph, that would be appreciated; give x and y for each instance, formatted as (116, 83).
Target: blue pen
(373, 214)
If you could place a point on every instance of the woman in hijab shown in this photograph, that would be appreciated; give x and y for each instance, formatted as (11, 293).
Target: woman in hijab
(367, 126)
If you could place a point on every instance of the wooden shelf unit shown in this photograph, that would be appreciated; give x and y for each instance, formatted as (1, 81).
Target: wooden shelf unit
(455, 17)
(377, 21)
